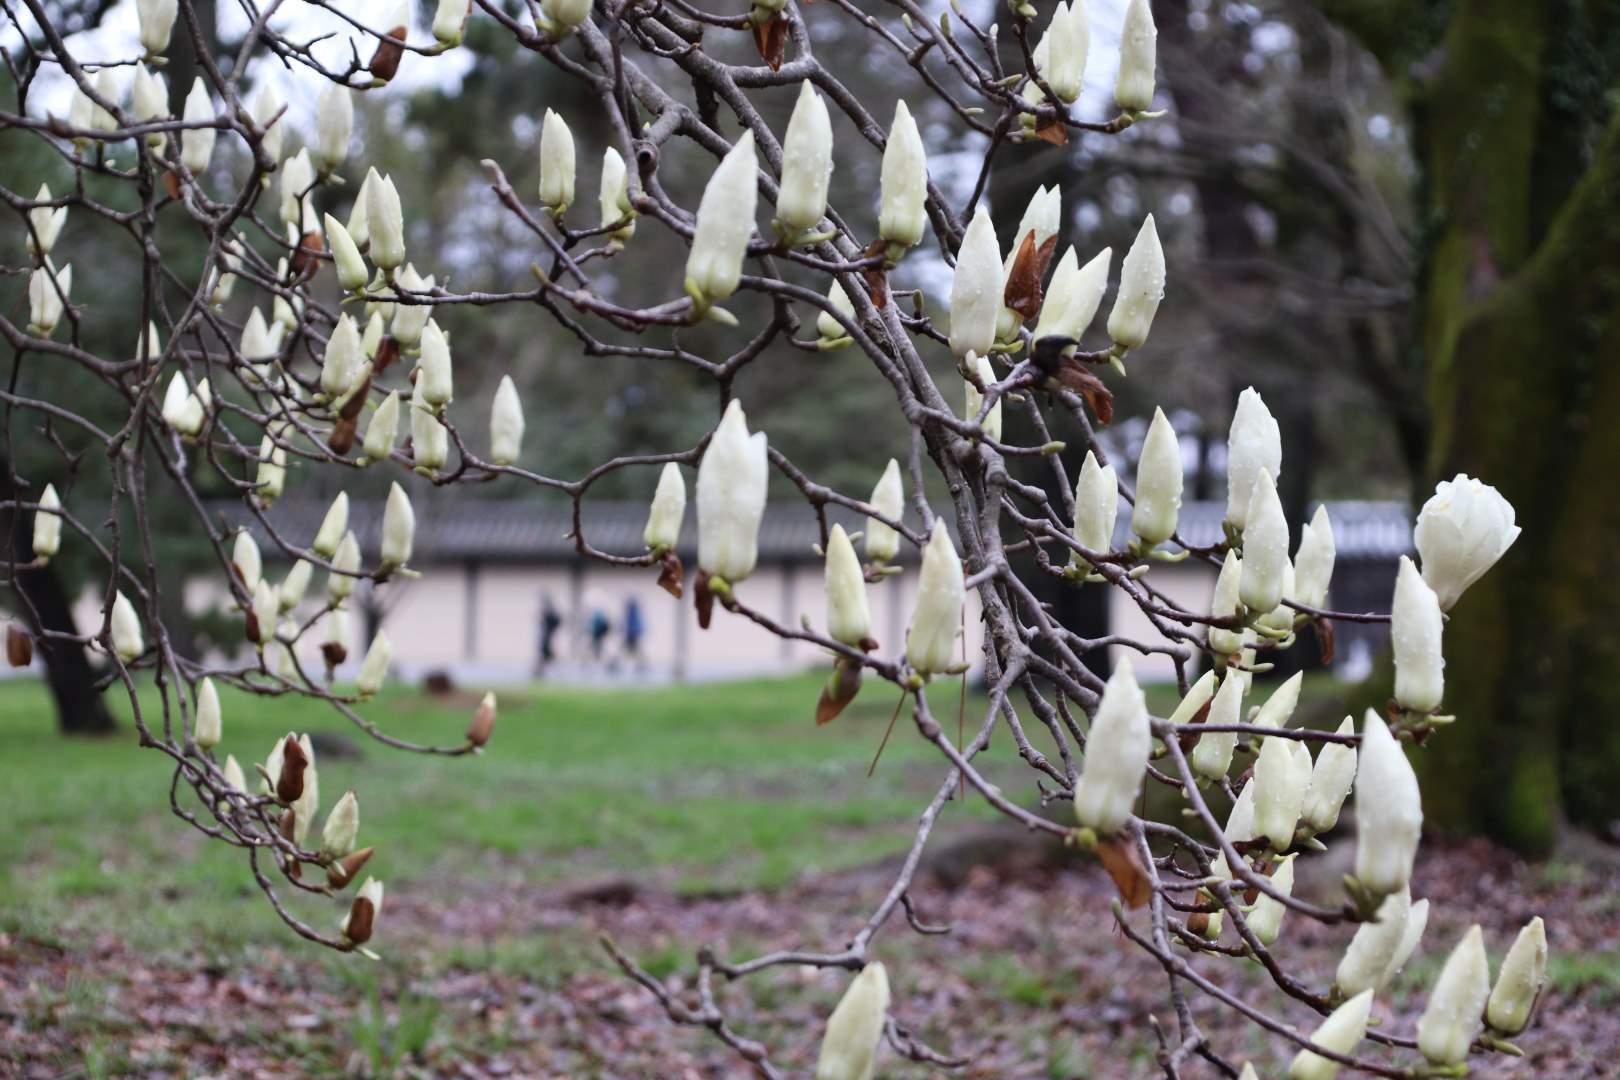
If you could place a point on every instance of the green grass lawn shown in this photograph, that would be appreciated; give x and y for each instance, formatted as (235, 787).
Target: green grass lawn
(691, 787)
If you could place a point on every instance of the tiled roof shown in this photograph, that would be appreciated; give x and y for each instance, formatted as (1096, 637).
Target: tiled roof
(456, 529)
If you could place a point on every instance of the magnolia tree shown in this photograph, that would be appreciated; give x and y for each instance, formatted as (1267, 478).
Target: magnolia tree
(316, 336)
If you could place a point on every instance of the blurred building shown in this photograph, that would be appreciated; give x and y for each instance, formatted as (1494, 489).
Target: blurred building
(505, 596)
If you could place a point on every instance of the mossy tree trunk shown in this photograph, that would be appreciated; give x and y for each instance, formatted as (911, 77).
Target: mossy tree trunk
(1519, 329)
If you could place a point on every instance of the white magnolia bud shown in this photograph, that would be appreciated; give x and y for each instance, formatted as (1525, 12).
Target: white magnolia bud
(334, 126)
(205, 729)
(337, 629)
(125, 628)
(343, 362)
(340, 582)
(807, 164)
(976, 288)
(1265, 921)
(1415, 627)
(1096, 505)
(1240, 819)
(904, 183)
(233, 774)
(1224, 604)
(974, 399)
(937, 617)
(183, 410)
(46, 223)
(1253, 445)
(1331, 779)
(1116, 755)
(273, 764)
(1280, 780)
(266, 606)
(1281, 618)
(1464, 528)
(374, 668)
(1520, 981)
(450, 21)
(731, 490)
(359, 230)
(430, 441)
(556, 164)
(410, 320)
(1072, 299)
(1373, 947)
(368, 899)
(351, 268)
(382, 430)
(1416, 920)
(45, 299)
(614, 195)
(889, 496)
(855, 1028)
(833, 334)
(197, 144)
(1138, 54)
(294, 585)
(246, 560)
(1247, 1072)
(1039, 224)
(1265, 548)
(385, 221)
(1199, 695)
(1064, 48)
(562, 16)
(1340, 1033)
(434, 381)
(668, 510)
(1141, 284)
(258, 342)
(725, 221)
(1447, 1027)
(157, 24)
(268, 113)
(272, 475)
(371, 337)
(333, 526)
(47, 526)
(149, 99)
(398, 528)
(1389, 810)
(1313, 565)
(342, 826)
(848, 619)
(1280, 706)
(1212, 757)
(1158, 483)
(505, 423)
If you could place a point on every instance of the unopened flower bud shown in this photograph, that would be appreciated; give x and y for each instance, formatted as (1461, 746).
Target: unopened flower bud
(351, 268)
(358, 924)
(1313, 564)
(385, 221)
(833, 334)
(725, 221)
(410, 320)
(1138, 55)
(505, 423)
(807, 164)
(346, 561)
(46, 223)
(904, 181)
(1415, 627)
(342, 826)
(731, 490)
(205, 730)
(1265, 921)
(1374, 946)
(359, 230)
(294, 585)
(1340, 1033)
(1389, 810)
(976, 288)
(342, 364)
(1253, 445)
(334, 126)
(1416, 921)
(1141, 284)
(182, 409)
(246, 560)
(156, 19)
(268, 113)
(1040, 223)
(46, 298)
(974, 398)
(430, 441)
(1158, 483)
(450, 21)
(149, 101)
(271, 478)
(435, 378)
(339, 872)
(1282, 773)
(613, 197)
(1447, 1027)
(233, 774)
(848, 618)
(1096, 505)
(1331, 779)
(482, 724)
(560, 17)
(888, 497)
(399, 528)
(47, 525)
(197, 144)
(1224, 605)
(1116, 755)
(1265, 548)
(333, 526)
(663, 529)
(1464, 528)
(1280, 706)
(936, 619)
(1064, 48)
(855, 1028)
(1212, 757)
(1517, 985)
(266, 606)
(556, 164)
(374, 668)
(1075, 294)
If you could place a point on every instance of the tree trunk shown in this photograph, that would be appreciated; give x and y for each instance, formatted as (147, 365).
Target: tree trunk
(1519, 319)
(43, 603)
